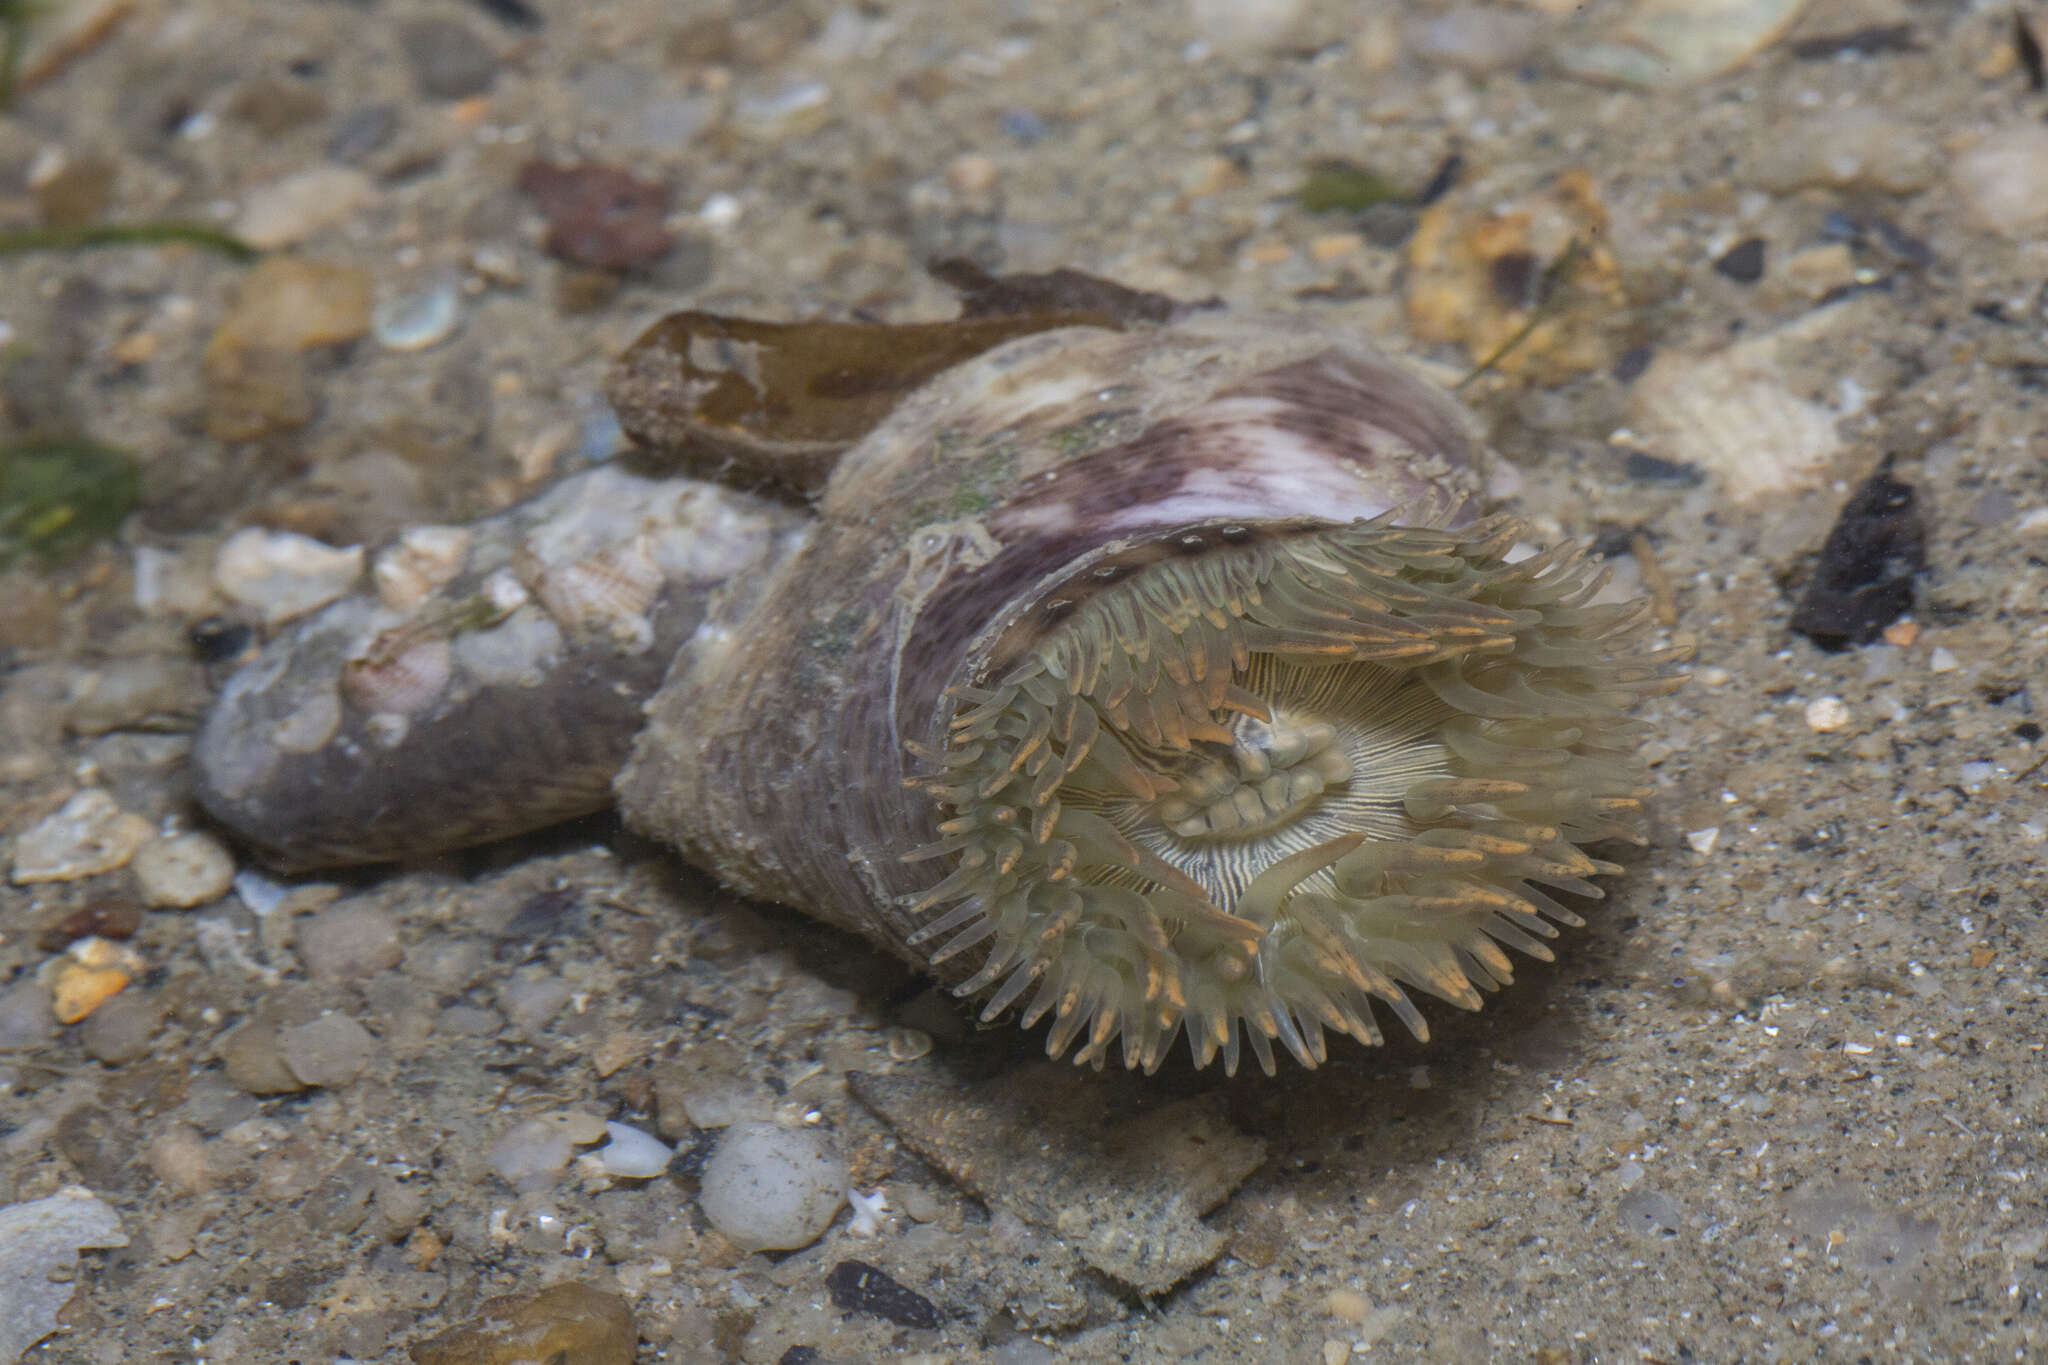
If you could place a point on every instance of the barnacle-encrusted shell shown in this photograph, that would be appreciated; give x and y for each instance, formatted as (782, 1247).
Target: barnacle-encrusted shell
(1163, 683)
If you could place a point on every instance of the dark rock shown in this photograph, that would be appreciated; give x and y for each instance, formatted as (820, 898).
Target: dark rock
(1864, 578)
(1644, 467)
(1743, 262)
(858, 1287)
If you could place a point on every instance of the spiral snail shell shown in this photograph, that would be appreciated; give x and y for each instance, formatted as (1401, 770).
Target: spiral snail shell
(1154, 683)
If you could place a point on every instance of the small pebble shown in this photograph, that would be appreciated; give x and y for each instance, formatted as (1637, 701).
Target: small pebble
(253, 1063)
(530, 1002)
(362, 132)
(1849, 149)
(598, 215)
(184, 870)
(282, 575)
(1743, 262)
(122, 1029)
(287, 211)
(632, 1154)
(1348, 1305)
(1248, 25)
(772, 1188)
(2003, 180)
(418, 320)
(1942, 661)
(1479, 39)
(130, 692)
(328, 1051)
(39, 1245)
(91, 972)
(1703, 840)
(348, 941)
(1825, 715)
(448, 60)
(25, 1020)
(540, 1147)
(572, 1323)
(784, 111)
(90, 835)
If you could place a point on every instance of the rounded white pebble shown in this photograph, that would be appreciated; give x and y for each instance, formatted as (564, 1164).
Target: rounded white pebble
(1825, 715)
(632, 1154)
(770, 1188)
(183, 871)
(415, 321)
(1703, 840)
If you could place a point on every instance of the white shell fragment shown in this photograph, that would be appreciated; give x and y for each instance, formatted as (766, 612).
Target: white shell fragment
(39, 1243)
(1677, 42)
(770, 1188)
(90, 835)
(421, 560)
(282, 575)
(632, 1154)
(417, 320)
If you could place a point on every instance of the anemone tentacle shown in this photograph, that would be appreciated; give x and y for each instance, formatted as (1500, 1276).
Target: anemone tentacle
(1241, 795)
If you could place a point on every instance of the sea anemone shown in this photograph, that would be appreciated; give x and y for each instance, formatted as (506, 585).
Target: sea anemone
(1149, 682)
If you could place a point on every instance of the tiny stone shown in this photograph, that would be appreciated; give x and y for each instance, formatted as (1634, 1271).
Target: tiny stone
(1478, 38)
(183, 871)
(361, 132)
(632, 1154)
(39, 1246)
(134, 691)
(122, 1029)
(1703, 840)
(448, 60)
(288, 211)
(971, 174)
(250, 1054)
(540, 1147)
(348, 941)
(25, 1019)
(1248, 25)
(1942, 661)
(530, 1002)
(1348, 1305)
(1743, 262)
(178, 1156)
(90, 835)
(328, 1051)
(1824, 715)
(2003, 180)
(771, 1188)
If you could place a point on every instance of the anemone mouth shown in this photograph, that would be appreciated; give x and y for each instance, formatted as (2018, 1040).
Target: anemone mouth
(1243, 792)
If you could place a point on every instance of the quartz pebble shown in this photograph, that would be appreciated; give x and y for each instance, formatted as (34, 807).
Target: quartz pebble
(328, 1051)
(290, 210)
(184, 870)
(1824, 715)
(632, 1154)
(90, 835)
(566, 1322)
(348, 941)
(772, 1188)
(282, 575)
(39, 1244)
(2003, 180)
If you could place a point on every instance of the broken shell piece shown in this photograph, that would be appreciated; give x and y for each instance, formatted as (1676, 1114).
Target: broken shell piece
(421, 561)
(90, 835)
(282, 575)
(401, 672)
(607, 593)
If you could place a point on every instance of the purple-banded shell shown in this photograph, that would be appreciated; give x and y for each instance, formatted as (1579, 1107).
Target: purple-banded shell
(1156, 683)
